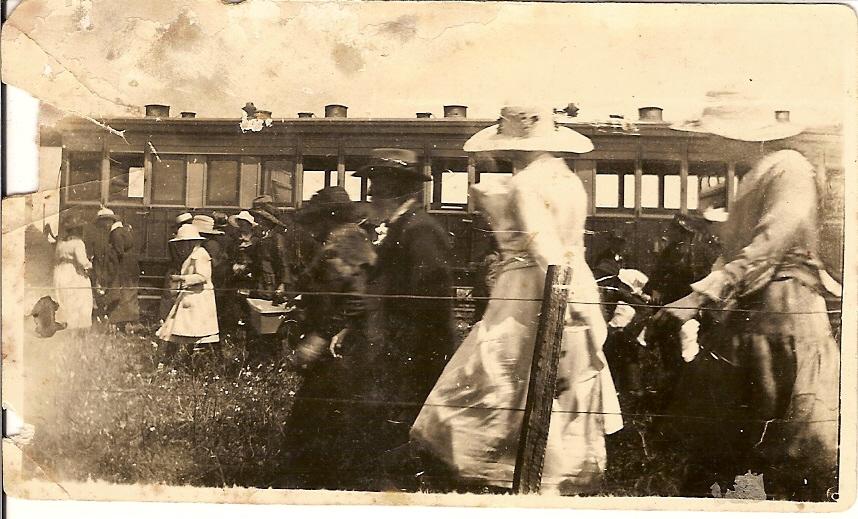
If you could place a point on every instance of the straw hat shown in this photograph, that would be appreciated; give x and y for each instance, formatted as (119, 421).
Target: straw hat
(184, 218)
(528, 129)
(392, 161)
(205, 224)
(244, 215)
(106, 213)
(738, 116)
(187, 232)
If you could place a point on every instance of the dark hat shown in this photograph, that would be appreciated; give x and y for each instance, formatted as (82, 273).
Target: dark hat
(392, 161)
(220, 219)
(682, 221)
(333, 201)
(265, 215)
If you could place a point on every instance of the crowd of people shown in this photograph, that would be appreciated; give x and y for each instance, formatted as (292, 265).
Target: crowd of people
(390, 400)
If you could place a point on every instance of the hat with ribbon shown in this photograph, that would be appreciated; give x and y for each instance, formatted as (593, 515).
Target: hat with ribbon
(243, 215)
(738, 116)
(106, 213)
(522, 128)
(392, 161)
(187, 232)
(205, 224)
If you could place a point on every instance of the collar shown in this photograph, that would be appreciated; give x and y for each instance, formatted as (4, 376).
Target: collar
(116, 225)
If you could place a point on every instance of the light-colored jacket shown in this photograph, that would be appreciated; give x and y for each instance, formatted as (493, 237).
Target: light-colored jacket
(194, 313)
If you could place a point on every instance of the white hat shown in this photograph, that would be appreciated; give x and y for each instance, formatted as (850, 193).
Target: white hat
(716, 214)
(528, 129)
(205, 224)
(184, 218)
(106, 213)
(188, 232)
(740, 117)
(244, 215)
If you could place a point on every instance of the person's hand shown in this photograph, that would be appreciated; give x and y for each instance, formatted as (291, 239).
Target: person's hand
(176, 277)
(679, 312)
(337, 343)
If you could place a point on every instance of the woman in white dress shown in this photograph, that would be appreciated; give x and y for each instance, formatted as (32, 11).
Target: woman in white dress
(73, 287)
(193, 318)
(472, 418)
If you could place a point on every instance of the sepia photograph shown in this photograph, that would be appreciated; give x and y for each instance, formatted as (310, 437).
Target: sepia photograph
(437, 253)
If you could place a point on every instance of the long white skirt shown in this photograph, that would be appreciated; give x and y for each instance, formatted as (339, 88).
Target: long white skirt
(73, 292)
(472, 418)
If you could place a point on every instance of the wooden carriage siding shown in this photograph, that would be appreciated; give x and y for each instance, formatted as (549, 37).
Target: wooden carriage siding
(207, 164)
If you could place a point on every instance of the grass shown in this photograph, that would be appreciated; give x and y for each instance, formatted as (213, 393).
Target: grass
(112, 408)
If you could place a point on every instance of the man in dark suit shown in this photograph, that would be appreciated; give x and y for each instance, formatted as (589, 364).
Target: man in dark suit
(410, 338)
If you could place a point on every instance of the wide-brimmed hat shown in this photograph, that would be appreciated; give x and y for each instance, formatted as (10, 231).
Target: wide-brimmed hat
(328, 202)
(682, 222)
(106, 213)
(741, 117)
(528, 129)
(184, 218)
(187, 232)
(716, 214)
(392, 161)
(205, 224)
(243, 215)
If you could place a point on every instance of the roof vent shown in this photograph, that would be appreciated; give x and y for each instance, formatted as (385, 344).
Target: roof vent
(615, 116)
(424, 115)
(456, 111)
(263, 114)
(336, 111)
(157, 110)
(305, 115)
(650, 114)
(188, 115)
(782, 116)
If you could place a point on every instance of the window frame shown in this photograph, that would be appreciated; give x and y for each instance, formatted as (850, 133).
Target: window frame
(179, 157)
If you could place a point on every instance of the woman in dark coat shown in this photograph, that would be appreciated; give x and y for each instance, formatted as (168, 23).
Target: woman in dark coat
(321, 432)
(121, 277)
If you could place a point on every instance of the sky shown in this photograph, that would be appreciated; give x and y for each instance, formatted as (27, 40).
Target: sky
(392, 59)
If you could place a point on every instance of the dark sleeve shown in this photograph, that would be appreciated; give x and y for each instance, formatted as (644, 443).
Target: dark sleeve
(283, 259)
(430, 275)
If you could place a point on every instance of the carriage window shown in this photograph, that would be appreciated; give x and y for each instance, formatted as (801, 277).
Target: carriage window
(615, 184)
(704, 178)
(169, 175)
(277, 180)
(126, 177)
(660, 185)
(493, 171)
(454, 182)
(222, 178)
(355, 185)
(319, 172)
(84, 182)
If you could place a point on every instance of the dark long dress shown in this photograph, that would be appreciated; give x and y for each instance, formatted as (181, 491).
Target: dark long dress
(122, 303)
(763, 393)
(320, 440)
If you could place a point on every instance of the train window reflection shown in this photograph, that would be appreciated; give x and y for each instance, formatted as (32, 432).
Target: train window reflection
(671, 192)
(454, 183)
(319, 172)
(649, 191)
(610, 191)
(169, 176)
(126, 178)
(607, 191)
(222, 180)
(84, 183)
(493, 171)
(277, 180)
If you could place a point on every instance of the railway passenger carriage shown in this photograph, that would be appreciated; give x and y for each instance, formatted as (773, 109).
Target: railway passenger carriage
(639, 175)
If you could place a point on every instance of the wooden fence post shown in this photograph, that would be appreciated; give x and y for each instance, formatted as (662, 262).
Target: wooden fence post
(543, 381)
